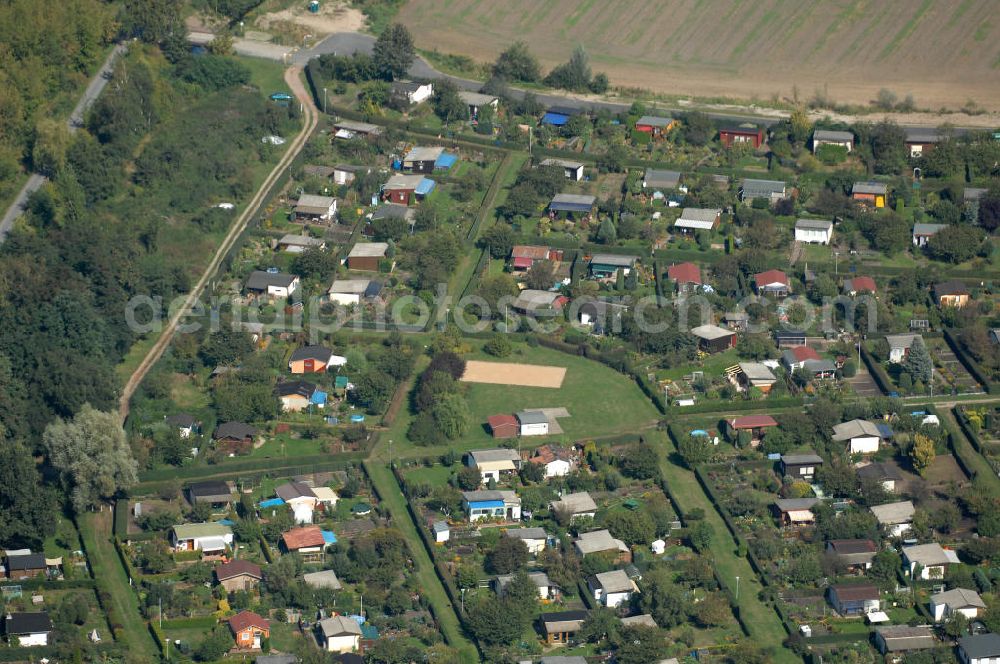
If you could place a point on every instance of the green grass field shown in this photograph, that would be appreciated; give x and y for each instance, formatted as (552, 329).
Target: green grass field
(600, 401)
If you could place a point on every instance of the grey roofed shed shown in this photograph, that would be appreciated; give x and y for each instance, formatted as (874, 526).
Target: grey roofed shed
(800, 459)
(323, 579)
(980, 646)
(655, 178)
(260, 280)
(613, 259)
(813, 224)
(753, 188)
(711, 332)
(572, 203)
(876, 188)
(531, 417)
(831, 135)
(654, 121)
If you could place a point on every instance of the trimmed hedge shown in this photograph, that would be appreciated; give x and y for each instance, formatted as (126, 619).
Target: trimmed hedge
(737, 406)
(877, 372)
(200, 622)
(47, 584)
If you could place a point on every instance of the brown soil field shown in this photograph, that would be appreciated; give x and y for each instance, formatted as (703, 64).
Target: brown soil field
(509, 373)
(943, 52)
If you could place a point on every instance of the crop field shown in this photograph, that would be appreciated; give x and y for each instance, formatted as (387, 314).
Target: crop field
(943, 52)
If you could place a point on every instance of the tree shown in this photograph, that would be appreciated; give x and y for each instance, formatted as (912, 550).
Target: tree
(92, 456)
(639, 644)
(373, 389)
(509, 555)
(516, 63)
(918, 361)
(955, 244)
(27, 508)
(226, 346)
(452, 416)
(447, 104)
(468, 478)
(393, 52)
(600, 83)
(495, 288)
(989, 210)
(713, 611)
(499, 240)
(884, 568)
(499, 346)
(662, 598)
(152, 21)
(922, 453)
(573, 75)
(640, 461)
(695, 450)
(700, 535)
(52, 141)
(493, 622)
(606, 233)
(697, 128)
(601, 624)
(631, 527)
(522, 593)
(541, 275)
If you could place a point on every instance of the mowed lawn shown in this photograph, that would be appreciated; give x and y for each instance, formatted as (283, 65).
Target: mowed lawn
(600, 400)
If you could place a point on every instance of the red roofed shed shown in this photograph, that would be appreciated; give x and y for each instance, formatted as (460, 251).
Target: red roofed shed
(503, 426)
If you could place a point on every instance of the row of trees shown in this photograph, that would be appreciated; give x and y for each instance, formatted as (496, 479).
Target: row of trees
(438, 400)
(518, 64)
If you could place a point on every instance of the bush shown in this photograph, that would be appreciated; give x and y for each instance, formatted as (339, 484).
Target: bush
(498, 346)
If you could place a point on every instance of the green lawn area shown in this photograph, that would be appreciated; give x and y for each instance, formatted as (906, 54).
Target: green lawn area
(713, 365)
(95, 529)
(268, 76)
(393, 500)
(762, 621)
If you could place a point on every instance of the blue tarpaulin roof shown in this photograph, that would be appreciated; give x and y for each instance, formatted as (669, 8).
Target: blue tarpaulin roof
(272, 502)
(369, 632)
(425, 187)
(885, 430)
(485, 504)
(318, 398)
(329, 537)
(225, 522)
(445, 161)
(557, 119)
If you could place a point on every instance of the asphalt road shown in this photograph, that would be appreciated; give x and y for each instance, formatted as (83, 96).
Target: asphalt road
(93, 91)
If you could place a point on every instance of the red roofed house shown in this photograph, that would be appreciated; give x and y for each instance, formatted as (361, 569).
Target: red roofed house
(238, 575)
(795, 357)
(745, 133)
(523, 256)
(757, 425)
(772, 282)
(307, 542)
(687, 276)
(249, 629)
(856, 285)
(503, 426)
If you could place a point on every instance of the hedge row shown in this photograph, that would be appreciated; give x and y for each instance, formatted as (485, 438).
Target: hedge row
(50, 584)
(200, 622)
(969, 363)
(120, 527)
(737, 406)
(957, 450)
(877, 372)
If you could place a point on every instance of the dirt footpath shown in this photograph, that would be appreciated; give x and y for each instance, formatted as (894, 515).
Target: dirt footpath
(508, 373)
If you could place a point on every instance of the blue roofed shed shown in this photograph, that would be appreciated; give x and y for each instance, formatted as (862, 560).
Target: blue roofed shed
(318, 398)
(425, 187)
(555, 119)
(329, 537)
(445, 161)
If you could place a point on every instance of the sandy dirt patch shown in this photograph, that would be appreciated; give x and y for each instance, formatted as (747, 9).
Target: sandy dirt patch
(509, 373)
(332, 17)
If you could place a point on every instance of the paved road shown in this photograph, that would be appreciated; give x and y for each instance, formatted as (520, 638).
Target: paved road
(34, 182)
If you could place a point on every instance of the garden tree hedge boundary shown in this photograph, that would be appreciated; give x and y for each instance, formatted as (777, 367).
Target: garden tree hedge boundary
(619, 364)
(969, 363)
